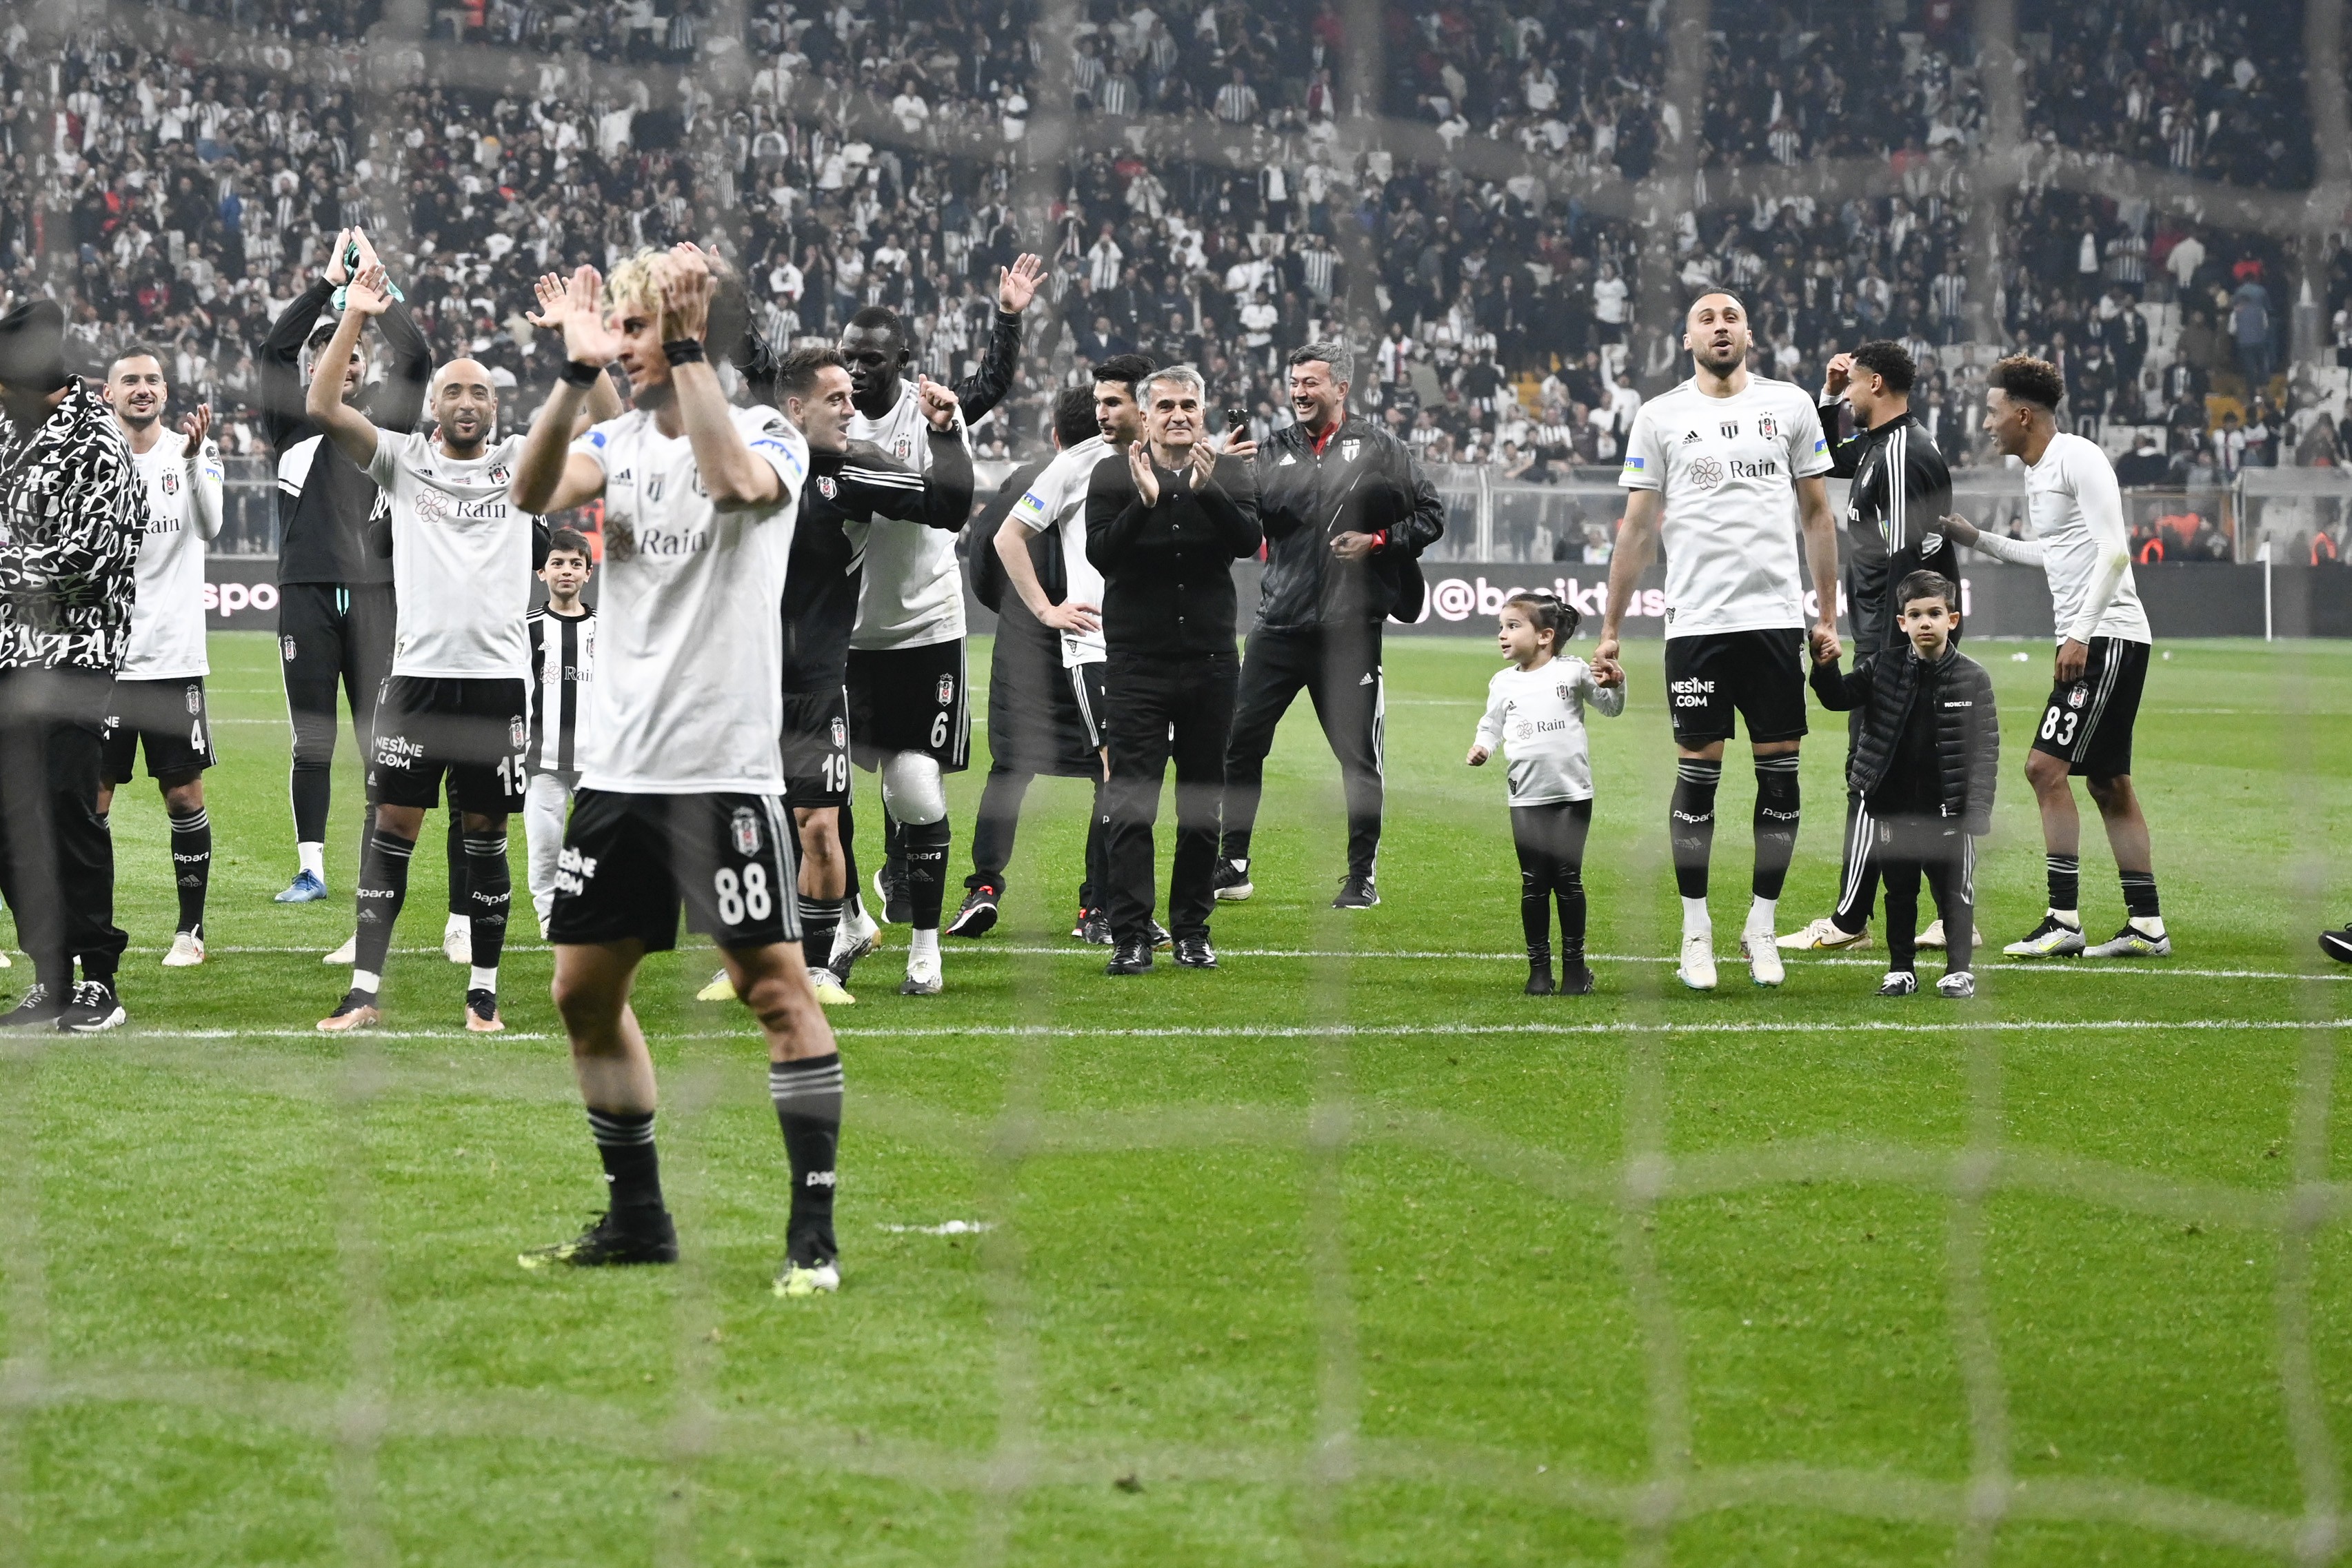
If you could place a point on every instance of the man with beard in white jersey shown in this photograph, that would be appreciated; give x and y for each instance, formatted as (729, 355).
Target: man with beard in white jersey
(458, 700)
(681, 797)
(909, 715)
(2079, 542)
(158, 701)
(1726, 469)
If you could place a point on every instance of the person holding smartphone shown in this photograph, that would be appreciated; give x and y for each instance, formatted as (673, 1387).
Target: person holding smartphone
(1346, 512)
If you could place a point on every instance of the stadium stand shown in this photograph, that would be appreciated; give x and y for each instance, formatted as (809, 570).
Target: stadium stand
(1484, 233)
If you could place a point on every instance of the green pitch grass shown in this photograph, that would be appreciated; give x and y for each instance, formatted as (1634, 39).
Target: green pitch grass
(1347, 1254)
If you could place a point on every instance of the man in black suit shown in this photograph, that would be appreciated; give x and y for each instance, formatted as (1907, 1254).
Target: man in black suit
(1164, 527)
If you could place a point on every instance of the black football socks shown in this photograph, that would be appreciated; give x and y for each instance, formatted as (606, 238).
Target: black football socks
(191, 865)
(624, 1143)
(489, 892)
(1777, 798)
(1690, 823)
(384, 888)
(807, 1095)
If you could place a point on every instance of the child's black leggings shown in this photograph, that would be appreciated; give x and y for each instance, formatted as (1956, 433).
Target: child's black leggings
(1551, 841)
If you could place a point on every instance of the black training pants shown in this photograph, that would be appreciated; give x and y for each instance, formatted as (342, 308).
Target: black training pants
(57, 858)
(330, 637)
(1338, 667)
(999, 821)
(1902, 854)
(1178, 707)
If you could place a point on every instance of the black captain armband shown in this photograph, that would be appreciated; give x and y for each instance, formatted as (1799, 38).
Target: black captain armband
(684, 350)
(574, 373)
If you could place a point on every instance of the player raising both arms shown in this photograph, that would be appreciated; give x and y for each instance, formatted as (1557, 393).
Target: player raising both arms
(854, 486)
(1725, 469)
(457, 700)
(909, 715)
(158, 699)
(682, 798)
(2079, 542)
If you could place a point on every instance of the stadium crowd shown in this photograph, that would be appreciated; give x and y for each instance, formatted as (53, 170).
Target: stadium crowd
(179, 169)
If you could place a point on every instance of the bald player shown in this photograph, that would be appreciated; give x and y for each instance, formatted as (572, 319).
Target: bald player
(457, 700)
(1725, 469)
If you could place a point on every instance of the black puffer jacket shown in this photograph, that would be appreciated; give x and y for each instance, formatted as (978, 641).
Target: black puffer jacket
(1968, 727)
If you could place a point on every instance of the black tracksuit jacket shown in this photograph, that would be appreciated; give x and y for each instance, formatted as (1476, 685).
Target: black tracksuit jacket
(1900, 489)
(1363, 480)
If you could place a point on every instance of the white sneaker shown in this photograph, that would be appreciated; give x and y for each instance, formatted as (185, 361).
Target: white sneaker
(2052, 939)
(1962, 984)
(2131, 942)
(1763, 957)
(1696, 969)
(187, 950)
(1823, 933)
(853, 938)
(1934, 936)
(347, 953)
(922, 975)
(457, 939)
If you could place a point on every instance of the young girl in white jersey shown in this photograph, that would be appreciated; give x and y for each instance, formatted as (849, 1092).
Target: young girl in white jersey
(1535, 714)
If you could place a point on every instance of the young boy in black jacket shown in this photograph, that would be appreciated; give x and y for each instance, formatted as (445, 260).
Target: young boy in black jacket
(1925, 764)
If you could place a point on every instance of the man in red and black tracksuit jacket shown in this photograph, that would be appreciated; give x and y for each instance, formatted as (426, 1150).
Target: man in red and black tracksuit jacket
(1346, 512)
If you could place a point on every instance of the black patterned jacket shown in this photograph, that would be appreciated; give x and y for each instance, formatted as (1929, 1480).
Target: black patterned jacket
(73, 510)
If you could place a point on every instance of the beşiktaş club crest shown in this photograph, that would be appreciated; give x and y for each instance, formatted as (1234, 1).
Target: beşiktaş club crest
(1768, 427)
(2077, 697)
(516, 732)
(1564, 690)
(286, 646)
(171, 482)
(903, 447)
(746, 830)
(196, 698)
(501, 473)
(1730, 430)
(840, 734)
(1349, 448)
(826, 488)
(947, 689)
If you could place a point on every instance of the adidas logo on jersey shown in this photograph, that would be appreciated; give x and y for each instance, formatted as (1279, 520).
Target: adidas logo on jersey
(1688, 437)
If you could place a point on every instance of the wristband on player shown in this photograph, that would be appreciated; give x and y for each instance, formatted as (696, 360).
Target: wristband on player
(1380, 540)
(574, 373)
(684, 350)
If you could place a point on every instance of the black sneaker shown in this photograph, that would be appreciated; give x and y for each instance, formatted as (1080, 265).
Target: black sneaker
(1575, 979)
(95, 1008)
(2338, 944)
(35, 1010)
(1231, 882)
(1094, 926)
(1194, 953)
(1356, 894)
(1159, 937)
(977, 916)
(1130, 958)
(604, 1244)
(890, 886)
(1899, 983)
(1540, 979)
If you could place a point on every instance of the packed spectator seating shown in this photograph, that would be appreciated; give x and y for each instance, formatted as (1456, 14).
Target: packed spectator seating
(1486, 232)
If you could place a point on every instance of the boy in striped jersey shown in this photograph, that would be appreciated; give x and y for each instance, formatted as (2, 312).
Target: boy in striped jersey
(562, 663)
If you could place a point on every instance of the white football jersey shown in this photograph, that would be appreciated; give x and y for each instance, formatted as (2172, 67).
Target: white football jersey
(167, 619)
(2077, 513)
(460, 559)
(1056, 499)
(1535, 718)
(688, 694)
(913, 592)
(1725, 469)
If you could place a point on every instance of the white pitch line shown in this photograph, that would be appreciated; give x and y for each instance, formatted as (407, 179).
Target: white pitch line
(2148, 969)
(1328, 1031)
